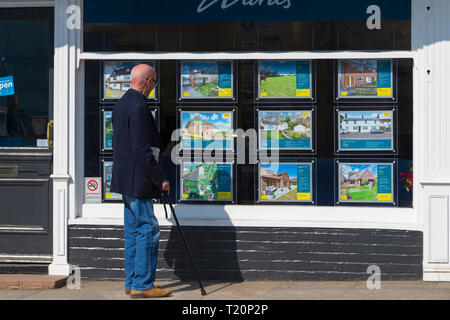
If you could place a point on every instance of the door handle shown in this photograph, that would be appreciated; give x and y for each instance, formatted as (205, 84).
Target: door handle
(49, 142)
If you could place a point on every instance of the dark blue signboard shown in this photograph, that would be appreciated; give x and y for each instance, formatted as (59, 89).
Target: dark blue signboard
(110, 11)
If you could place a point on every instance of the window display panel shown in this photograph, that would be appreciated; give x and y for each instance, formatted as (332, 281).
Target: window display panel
(107, 175)
(206, 181)
(108, 129)
(285, 130)
(207, 80)
(117, 78)
(207, 130)
(364, 182)
(365, 130)
(365, 79)
(285, 182)
(284, 79)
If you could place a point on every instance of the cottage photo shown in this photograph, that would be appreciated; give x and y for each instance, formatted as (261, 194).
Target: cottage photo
(363, 78)
(207, 130)
(366, 130)
(361, 182)
(206, 79)
(285, 130)
(206, 181)
(117, 78)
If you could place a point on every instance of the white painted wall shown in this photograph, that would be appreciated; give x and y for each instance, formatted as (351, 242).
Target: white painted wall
(431, 35)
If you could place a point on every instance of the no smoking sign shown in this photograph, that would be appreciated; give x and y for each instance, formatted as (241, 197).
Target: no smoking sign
(93, 190)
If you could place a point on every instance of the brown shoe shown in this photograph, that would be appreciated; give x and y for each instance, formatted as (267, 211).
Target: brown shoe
(151, 293)
(128, 291)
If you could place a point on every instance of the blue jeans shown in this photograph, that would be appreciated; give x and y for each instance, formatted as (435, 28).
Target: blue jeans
(141, 243)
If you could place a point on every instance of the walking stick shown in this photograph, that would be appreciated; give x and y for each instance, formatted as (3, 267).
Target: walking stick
(165, 197)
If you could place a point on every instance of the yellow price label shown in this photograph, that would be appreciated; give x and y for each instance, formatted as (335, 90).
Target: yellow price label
(344, 93)
(224, 195)
(185, 196)
(264, 197)
(384, 92)
(186, 94)
(226, 115)
(152, 94)
(225, 92)
(305, 114)
(303, 92)
(109, 94)
(384, 197)
(387, 114)
(263, 94)
(304, 196)
(344, 198)
(108, 195)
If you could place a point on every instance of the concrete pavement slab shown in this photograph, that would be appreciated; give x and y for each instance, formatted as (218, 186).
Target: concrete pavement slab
(251, 290)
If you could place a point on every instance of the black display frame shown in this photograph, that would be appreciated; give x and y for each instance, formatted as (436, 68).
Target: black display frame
(367, 152)
(287, 160)
(392, 161)
(367, 100)
(208, 101)
(280, 100)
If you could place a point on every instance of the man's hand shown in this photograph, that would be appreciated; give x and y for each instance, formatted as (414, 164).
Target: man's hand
(165, 187)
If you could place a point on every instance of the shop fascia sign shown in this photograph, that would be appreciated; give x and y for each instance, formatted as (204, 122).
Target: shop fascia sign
(373, 21)
(372, 11)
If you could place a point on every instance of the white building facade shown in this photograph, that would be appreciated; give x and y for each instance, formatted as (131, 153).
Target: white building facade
(423, 228)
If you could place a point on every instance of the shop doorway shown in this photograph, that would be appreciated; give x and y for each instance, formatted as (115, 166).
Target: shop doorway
(26, 112)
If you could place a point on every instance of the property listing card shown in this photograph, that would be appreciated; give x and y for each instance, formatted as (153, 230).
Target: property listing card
(285, 130)
(291, 182)
(366, 182)
(365, 78)
(207, 130)
(284, 79)
(117, 78)
(366, 130)
(206, 181)
(206, 80)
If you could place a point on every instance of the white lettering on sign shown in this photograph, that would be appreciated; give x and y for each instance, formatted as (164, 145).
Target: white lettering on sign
(6, 85)
(205, 4)
(374, 21)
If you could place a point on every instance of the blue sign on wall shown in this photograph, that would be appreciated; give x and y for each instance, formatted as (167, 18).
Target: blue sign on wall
(6, 86)
(110, 11)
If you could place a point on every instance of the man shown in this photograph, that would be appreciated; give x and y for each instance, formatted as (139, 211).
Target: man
(138, 176)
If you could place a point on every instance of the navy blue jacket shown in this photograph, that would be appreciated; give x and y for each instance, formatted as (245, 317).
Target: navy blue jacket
(136, 171)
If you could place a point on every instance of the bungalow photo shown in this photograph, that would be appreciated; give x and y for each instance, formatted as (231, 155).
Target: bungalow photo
(200, 79)
(285, 129)
(278, 181)
(358, 78)
(207, 130)
(364, 130)
(359, 182)
(206, 181)
(117, 78)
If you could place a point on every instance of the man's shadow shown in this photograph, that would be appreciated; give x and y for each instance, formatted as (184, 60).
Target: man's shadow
(213, 249)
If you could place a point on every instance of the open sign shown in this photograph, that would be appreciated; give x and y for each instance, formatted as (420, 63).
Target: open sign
(7, 86)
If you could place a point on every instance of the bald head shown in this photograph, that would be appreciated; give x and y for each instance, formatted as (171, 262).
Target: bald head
(143, 78)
